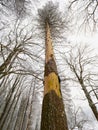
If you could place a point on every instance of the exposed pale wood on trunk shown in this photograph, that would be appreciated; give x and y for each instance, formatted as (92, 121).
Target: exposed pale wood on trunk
(49, 49)
(53, 113)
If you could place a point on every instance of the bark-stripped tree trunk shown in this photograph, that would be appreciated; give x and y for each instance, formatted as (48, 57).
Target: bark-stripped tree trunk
(53, 113)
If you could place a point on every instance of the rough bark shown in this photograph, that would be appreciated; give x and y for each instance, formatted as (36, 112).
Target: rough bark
(53, 114)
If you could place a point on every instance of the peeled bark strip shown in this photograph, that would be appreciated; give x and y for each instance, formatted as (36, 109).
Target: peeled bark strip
(53, 113)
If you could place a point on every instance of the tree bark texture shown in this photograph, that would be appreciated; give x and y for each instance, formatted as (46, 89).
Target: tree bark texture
(53, 113)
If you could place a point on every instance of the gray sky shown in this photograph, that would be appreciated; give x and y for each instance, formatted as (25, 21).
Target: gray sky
(79, 36)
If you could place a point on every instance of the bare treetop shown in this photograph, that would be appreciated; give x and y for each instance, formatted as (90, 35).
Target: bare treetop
(50, 14)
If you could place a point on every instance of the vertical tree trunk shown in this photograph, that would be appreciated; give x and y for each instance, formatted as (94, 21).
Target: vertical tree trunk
(90, 101)
(53, 113)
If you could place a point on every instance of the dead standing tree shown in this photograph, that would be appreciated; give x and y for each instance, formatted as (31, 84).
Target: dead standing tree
(53, 113)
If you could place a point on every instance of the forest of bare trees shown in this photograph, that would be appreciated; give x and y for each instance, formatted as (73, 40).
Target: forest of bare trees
(41, 69)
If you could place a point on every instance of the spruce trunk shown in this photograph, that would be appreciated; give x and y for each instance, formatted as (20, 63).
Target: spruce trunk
(53, 113)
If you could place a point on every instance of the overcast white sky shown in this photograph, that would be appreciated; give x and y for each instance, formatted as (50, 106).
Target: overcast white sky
(81, 37)
(77, 36)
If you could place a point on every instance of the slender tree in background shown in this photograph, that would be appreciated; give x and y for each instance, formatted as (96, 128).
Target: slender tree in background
(20, 86)
(16, 81)
(53, 113)
(81, 63)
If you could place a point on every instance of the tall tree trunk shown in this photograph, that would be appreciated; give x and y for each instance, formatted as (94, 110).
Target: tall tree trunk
(90, 101)
(53, 113)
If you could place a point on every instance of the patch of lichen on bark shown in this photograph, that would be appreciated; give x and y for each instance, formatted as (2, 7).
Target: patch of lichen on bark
(53, 114)
(52, 83)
